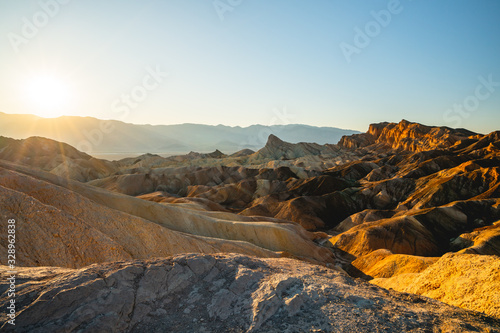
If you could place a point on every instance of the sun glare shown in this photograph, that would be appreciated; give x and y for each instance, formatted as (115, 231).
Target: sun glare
(48, 96)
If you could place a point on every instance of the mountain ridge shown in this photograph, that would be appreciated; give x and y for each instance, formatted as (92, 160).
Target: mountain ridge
(408, 136)
(93, 135)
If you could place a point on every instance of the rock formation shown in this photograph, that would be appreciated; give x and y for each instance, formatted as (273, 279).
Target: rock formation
(407, 136)
(277, 149)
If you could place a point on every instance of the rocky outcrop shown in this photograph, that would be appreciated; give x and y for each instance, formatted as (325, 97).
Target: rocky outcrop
(357, 140)
(276, 149)
(220, 293)
(485, 240)
(465, 280)
(376, 129)
(406, 135)
(416, 137)
(466, 181)
(402, 235)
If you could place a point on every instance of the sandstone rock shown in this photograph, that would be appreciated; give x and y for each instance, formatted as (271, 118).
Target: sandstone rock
(485, 240)
(357, 140)
(416, 137)
(402, 235)
(465, 280)
(384, 264)
(367, 215)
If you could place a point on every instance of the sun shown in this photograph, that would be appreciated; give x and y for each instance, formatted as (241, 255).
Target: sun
(47, 95)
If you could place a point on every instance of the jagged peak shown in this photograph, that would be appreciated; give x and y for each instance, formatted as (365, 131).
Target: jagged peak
(216, 154)
(273, 140)
(406, 122)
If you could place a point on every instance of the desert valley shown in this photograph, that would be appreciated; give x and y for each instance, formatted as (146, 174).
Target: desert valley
(232, 166)
(392, 230)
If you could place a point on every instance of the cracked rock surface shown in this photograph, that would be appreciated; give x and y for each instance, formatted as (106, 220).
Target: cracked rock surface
(221, 293)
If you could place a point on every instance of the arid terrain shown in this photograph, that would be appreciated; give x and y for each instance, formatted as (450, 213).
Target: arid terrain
(392, 230)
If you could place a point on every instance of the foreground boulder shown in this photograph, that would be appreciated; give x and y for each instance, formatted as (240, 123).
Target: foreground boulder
(221, 293)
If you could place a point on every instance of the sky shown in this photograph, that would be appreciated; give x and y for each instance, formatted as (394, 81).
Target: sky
(239, 62)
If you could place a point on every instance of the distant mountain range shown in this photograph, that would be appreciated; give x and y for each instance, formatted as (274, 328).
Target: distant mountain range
(94, 135)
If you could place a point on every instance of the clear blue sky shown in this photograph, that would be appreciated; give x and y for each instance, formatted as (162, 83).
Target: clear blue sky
(264, 57)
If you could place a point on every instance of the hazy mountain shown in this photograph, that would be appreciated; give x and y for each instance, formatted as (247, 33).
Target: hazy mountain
(103, 136)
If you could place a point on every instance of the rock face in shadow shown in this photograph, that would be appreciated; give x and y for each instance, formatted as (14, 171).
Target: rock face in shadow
(221, 293)
(465, 280)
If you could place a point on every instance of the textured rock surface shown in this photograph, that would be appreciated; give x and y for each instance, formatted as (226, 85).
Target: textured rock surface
(485, 240)
(465, 280)
(416, 137)
(357, 140)
(403, 235)
(222, 293)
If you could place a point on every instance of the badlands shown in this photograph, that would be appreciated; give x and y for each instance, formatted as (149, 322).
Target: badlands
(392, 230)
